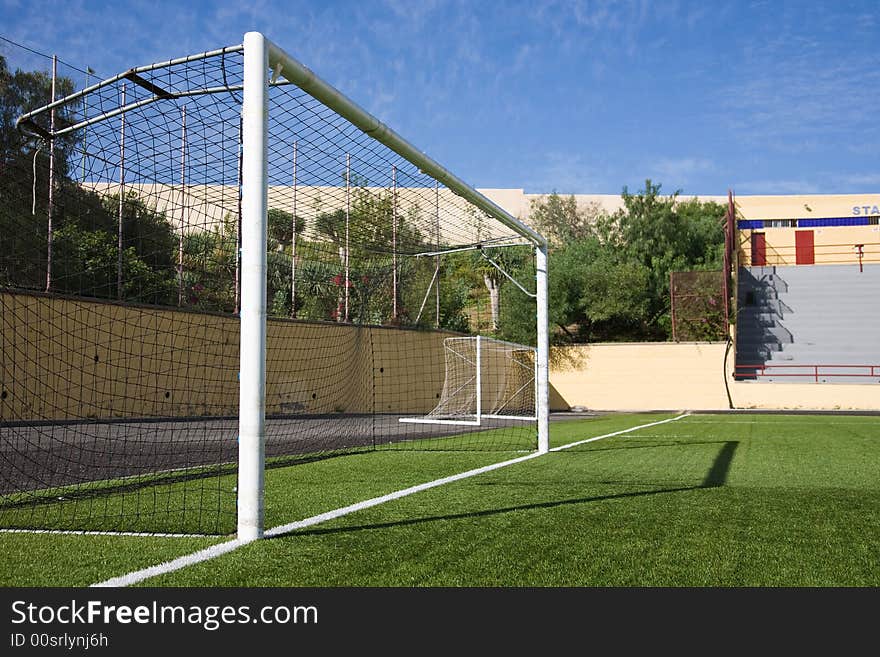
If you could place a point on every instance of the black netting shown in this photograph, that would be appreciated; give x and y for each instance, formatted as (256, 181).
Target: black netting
(121, 290)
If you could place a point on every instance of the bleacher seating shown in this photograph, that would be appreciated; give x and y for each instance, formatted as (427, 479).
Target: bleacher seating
(795, 323)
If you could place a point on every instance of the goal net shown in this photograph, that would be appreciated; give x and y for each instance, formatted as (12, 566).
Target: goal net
(485, 379)
(218, 265)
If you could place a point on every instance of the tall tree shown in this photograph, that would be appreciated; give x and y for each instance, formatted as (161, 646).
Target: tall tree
(609, 277)
(561, 220)
(21, 92)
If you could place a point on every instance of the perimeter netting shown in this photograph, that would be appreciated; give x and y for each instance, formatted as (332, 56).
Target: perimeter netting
(120, 291)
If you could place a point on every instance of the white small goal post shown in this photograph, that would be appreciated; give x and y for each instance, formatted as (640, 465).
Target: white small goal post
(484, 379)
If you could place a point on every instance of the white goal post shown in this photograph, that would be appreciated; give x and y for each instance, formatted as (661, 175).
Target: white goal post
(260, 58)
(218, 190)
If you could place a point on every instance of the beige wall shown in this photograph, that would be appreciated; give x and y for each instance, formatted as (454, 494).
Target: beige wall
(681, 376)
(66, 359)
(806, 206)
(204, 206)
(834, 245)
(640, 376)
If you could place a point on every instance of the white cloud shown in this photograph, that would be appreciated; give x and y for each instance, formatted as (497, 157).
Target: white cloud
(861, 181)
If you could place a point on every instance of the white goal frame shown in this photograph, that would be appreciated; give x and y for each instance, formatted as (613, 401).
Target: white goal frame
(436, 416)
(262, 57)
(265, 65)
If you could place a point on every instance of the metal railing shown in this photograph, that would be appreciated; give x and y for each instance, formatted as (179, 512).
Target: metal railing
(815, 372)
(823, 254)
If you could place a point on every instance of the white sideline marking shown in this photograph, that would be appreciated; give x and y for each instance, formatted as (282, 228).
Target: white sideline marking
(171, 566)
(229, 546)
(85, 532)
(617, 433)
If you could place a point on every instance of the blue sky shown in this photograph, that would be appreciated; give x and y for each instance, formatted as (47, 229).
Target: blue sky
(573, 96)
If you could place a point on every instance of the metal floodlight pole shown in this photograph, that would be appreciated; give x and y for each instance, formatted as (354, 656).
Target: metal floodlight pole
(184, 215)
(255, 203)
(672, 304)
(437, 257)
(82, 177)
(238, 228)
(347, 222)
(394, 243)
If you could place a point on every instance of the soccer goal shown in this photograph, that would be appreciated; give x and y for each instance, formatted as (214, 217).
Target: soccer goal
(485, 379)
(219, 264)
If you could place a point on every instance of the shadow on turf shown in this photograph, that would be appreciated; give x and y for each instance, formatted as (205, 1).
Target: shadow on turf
(716, 477)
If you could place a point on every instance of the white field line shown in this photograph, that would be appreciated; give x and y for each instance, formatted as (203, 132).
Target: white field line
(618, 433)
(85, 532)
(768, 418)
(224, 548)
(170, 566)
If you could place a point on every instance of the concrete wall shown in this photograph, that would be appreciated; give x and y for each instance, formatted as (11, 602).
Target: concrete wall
(66, 359)
(687, 376)
(640, 376)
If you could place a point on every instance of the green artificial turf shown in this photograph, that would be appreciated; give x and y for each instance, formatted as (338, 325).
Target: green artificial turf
(81, 560)
(710, 500)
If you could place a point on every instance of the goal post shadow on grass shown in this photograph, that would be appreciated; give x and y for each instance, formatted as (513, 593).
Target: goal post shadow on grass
(716, 477)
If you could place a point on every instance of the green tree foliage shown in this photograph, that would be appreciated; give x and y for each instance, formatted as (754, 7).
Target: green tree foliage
(85, 225)
(665, 235)
(507, 260)
(369, 225)
(209, 260)
(23, 218)
(85, 248)
(86, 260)
(609, 274)
(279, 243)
(21, 92)
(281, 228)
(561, 220)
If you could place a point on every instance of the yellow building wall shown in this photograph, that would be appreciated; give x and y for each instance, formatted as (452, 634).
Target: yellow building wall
(681, 376)
(833, 245)
(68, 359)
(640, 376)
(806, 206)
